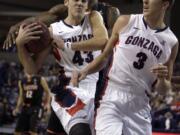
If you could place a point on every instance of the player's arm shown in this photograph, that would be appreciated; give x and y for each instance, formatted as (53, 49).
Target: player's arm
(113, 13)
(20, 98)
(98, 63)
(47, 93)
(48, 17)
(164, 72)
(27, 33)
(100, 35)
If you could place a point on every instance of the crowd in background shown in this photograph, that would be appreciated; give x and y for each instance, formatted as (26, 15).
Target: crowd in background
(165, 110)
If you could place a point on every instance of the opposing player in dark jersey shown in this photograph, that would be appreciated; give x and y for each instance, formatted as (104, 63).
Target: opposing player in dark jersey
(31, 91)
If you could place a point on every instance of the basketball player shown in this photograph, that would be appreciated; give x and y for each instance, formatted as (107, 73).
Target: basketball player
(75, 53)
(144, 51)
(59, 12)
(109, 13)
(31, 90)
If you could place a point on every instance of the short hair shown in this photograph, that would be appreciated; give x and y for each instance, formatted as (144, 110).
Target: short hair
(171, 3)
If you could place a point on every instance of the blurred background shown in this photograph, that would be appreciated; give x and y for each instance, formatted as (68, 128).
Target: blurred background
(164, 109)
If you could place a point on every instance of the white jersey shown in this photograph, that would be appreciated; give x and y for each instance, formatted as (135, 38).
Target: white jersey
(138, 50)
(75, 60)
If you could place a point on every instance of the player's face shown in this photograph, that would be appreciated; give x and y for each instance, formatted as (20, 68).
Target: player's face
(153, 7)
(77, 8)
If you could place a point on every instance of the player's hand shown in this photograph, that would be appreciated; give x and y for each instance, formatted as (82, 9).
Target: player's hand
(15, 112)
(28, 33)
(77, 77)
(47, 108)
(74, 79)
(161, 71)
(11, 38)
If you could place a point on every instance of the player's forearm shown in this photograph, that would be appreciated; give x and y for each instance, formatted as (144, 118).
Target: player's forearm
(96, 65)
(47, 99)
(91, 44)
(26, 60)
(163, 86)
(30, 19)
(45, 17)
(19, 102)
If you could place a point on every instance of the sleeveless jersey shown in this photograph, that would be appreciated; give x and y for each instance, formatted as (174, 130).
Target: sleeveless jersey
(74, 60)
(32, 91)
(138, 50)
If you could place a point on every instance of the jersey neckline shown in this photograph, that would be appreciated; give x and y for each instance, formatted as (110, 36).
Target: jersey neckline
(156, 30)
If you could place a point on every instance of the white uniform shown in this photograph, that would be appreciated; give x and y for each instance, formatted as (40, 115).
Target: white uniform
(124, 107)
(76, 60)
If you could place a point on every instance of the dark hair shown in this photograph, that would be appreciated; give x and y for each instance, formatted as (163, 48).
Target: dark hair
(171, 2)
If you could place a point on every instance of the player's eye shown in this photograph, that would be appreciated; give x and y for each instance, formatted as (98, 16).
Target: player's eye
(84, 1)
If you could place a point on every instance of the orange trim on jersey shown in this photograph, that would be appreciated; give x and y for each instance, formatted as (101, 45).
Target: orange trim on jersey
(103, 90)
(117, 43)
(79, 105)
(56, 54)
(55, 133)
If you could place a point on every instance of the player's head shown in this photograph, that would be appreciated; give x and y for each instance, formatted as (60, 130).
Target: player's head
(156, 7)
(76, 8)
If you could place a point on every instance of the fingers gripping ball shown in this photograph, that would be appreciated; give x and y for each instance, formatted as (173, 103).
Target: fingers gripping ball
(36, 46)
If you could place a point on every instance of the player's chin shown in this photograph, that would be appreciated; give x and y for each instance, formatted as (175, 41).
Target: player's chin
(146, 13)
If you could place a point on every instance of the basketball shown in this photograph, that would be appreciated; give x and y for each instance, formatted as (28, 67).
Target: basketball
(36, 46)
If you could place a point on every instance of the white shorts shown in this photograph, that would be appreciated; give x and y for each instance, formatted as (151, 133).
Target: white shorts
(81, 109)
(121, 111)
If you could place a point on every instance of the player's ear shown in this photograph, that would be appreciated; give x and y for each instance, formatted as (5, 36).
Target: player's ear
(166, 4)
(66, 2)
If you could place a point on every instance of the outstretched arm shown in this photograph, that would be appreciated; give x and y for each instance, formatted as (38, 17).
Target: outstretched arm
(27, 33)
(100, 36)
(98, 63)
(97, 42)
(48, 17)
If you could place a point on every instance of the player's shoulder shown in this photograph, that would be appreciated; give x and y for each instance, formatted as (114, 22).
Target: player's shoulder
(95, 15)
(123, 19)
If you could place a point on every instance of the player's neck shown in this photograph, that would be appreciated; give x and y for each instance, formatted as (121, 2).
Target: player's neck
(73, 20)
(155, 22)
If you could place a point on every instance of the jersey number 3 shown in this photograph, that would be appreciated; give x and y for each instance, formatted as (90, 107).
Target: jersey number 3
(140, 63)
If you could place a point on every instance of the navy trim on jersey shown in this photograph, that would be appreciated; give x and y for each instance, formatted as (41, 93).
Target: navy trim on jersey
(145, 24)
(71, 26)
(157, 30)
(67, 24)
(160, 30)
